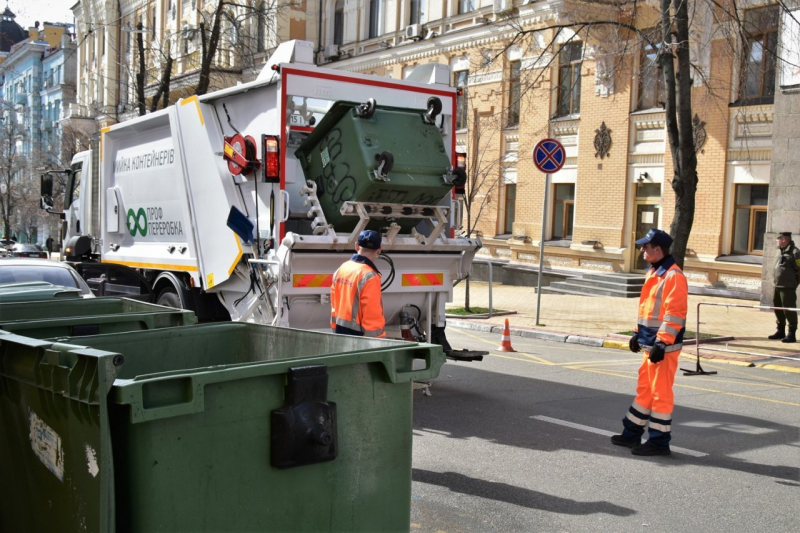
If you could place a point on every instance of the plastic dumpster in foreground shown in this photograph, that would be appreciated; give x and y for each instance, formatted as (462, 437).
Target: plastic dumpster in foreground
(88, 316)
(225, 427)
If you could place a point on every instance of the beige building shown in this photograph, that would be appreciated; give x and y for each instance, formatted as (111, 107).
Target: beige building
(600, 96)
(108, 56)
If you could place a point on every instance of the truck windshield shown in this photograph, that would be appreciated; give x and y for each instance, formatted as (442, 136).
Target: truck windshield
(74, 184)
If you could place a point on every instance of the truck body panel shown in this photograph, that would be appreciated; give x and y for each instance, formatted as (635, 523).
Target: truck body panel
(175, 206)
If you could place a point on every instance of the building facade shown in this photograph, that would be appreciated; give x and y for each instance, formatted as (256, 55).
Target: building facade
(33, 105)
(109, 56)
(525, 74)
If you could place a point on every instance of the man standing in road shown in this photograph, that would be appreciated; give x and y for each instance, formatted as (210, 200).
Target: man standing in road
(49, 244)
(787, 277)
(659, 331)
(356, 306)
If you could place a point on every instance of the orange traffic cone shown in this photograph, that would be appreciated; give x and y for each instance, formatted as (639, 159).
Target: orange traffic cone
(505, 344)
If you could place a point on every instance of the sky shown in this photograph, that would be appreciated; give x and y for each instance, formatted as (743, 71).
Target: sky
(29, 11)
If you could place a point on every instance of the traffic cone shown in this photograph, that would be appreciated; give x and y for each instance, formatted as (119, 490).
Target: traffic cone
(505, 344)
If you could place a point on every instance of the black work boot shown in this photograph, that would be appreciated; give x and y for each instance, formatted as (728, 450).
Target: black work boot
(648, 448)
(622, 440)
(779, 334)
(790, 337)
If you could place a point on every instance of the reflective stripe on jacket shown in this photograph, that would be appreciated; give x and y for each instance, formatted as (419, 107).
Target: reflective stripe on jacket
(356, 298)
(662, 307)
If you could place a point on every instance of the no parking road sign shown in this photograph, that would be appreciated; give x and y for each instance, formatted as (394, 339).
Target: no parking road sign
(549, 155)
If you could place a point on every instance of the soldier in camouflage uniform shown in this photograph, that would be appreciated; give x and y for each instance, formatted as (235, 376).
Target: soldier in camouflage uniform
(787, 278)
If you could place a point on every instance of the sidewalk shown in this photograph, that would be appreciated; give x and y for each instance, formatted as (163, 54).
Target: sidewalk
(601, 317)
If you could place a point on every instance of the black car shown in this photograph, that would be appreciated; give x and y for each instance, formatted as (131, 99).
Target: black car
(28, 250)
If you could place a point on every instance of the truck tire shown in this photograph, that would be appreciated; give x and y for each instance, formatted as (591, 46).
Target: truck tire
(169, 298)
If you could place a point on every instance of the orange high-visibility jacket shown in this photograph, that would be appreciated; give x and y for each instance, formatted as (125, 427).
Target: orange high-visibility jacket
(662, 307)
(356, 298)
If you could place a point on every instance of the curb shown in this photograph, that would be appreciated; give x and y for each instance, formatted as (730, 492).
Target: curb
(597, 342)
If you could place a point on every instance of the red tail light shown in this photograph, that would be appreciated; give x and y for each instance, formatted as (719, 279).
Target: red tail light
(272, 159)
(461, 160)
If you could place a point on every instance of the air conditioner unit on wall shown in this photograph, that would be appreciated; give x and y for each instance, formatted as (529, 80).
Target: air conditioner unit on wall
(414, 31)
(331, 51)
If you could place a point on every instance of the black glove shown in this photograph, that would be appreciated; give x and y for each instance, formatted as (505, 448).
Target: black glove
(657, 352)
(633, 343)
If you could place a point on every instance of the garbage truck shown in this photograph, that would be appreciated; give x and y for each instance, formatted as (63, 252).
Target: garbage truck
(241, 204)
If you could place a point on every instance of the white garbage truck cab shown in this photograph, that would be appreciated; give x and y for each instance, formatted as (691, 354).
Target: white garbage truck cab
(242, 203)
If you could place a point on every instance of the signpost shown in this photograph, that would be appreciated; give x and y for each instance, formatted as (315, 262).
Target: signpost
(548, 157)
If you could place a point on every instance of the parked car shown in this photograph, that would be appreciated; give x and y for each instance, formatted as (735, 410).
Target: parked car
(3, 252)
(18, 270)
(29, 250)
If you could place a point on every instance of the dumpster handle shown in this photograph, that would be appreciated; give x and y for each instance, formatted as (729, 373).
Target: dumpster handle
(397, 375)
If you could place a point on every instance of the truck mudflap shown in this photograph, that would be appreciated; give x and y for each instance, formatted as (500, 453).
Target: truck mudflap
(438, 337)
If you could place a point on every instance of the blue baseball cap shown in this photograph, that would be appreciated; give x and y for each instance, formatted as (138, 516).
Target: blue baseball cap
(369, 239)
(656, 237)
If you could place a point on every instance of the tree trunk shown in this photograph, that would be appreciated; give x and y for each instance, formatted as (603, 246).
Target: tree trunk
(140, 75)
(163, 87)
(209, 50)
(466, 295)
(679, 122)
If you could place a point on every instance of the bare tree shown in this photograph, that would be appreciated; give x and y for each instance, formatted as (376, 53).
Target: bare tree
(13, 164)
(624, 26)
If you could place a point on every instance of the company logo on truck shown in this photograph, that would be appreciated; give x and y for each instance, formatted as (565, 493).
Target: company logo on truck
(150, 220)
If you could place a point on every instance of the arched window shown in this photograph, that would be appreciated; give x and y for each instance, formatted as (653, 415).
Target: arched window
(338, 22)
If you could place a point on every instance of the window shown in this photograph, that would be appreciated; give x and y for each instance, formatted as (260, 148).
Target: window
(374, 17)
(187, 36)
(338, 22)
(569, 79)
(509, 205)
(261, 27)
(750, 219)
(760, 47)
(465, 6)
(652, 89)
(460, 80)
(417, 15)
(563, 210)
(513, 93)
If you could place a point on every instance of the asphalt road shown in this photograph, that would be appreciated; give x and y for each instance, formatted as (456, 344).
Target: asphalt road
(519, 442)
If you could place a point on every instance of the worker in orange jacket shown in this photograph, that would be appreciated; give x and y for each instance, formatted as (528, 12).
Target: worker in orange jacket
(356, 307)
(660, 330)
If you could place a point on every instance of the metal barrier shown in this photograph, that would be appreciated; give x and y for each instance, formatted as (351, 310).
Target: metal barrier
(487, 262)
(699, 369)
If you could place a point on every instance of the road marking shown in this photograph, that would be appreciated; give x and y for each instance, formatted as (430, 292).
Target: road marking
(537, 360)
(590, 429)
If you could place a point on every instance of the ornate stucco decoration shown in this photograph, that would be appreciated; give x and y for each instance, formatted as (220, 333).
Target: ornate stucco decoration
(602, 141)
(698, 133)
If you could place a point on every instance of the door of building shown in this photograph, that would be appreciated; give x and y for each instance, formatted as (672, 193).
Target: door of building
(646, 207)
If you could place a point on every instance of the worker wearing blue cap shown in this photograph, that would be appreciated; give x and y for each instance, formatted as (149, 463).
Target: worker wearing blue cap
(356, 306)
(659, 331)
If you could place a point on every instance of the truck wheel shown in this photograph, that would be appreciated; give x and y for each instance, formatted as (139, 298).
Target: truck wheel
(169, 298)
(434, 108)
(366, 109)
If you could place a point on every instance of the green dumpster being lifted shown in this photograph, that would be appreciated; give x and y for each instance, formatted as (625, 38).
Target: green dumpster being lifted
(377, 154)
(225, 427)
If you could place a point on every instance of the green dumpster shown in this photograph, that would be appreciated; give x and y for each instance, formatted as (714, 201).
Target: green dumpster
(223, 427)
(29, 291)
(88, 316)
(345, 149)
